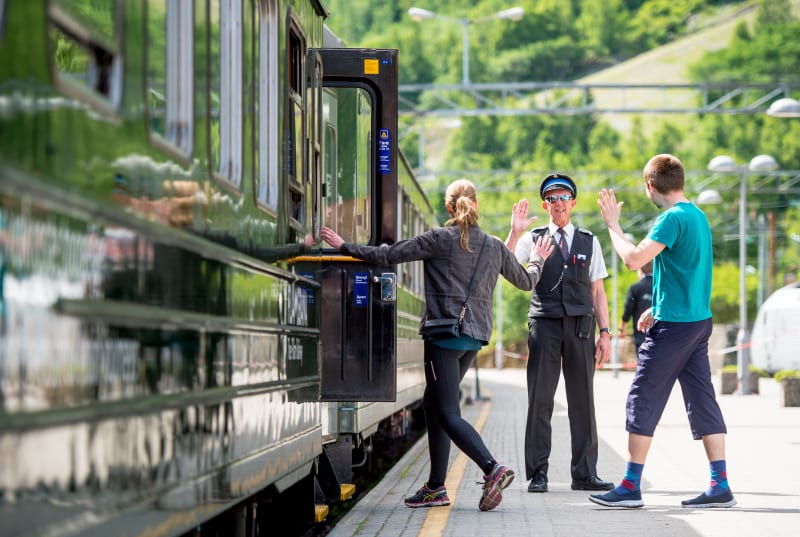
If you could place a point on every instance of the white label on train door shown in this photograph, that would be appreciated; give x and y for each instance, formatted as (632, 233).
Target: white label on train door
(384, 151)
(360, 288)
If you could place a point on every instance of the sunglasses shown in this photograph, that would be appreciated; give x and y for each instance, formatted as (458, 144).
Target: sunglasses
(562, 197)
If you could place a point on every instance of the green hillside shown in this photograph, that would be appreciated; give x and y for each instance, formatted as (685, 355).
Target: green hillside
(669, 64)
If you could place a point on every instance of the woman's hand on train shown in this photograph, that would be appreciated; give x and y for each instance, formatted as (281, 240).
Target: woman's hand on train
(542, 248)
(331, 237)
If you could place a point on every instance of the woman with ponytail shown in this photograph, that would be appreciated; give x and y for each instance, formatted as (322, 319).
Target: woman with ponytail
(462, 264)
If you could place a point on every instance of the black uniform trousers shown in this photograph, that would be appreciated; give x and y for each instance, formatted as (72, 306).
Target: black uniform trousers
(548, 341)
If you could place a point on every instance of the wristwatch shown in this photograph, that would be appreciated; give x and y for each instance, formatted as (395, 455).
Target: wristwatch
(606, 330)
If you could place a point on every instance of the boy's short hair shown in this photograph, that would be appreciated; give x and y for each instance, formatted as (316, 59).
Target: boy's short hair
(664, 173)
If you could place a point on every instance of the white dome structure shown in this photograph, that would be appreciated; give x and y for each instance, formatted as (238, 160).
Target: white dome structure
(776, 333)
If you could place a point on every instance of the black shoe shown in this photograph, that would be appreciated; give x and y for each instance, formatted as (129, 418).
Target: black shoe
(592, 483)
(538, 483)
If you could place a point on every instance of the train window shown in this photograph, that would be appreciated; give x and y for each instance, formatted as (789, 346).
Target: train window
(267, 107)
(402, 271)
(85, 45)
(226, 121)
(296, 126)
(348, 194)
(332, 217)
(2, 18)
(315, 140)
(170, 74)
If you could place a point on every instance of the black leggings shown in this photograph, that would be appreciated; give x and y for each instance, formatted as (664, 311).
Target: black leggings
(444, 369)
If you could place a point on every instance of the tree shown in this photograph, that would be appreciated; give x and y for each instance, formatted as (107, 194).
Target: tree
(603, 25)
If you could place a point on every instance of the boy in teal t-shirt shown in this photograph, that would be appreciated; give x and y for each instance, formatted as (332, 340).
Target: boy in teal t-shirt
(677, 328)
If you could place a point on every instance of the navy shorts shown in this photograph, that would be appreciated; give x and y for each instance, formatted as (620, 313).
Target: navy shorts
(674, 351)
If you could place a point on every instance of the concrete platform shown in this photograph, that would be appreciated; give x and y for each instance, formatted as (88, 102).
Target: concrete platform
(763, 454)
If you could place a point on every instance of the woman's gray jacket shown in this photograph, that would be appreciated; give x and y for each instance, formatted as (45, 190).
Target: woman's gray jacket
(448, 270)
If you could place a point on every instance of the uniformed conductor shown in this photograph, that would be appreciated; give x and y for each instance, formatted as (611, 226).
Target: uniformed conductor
(567, 305)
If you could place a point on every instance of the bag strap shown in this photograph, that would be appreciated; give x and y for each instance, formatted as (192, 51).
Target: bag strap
(471, 280)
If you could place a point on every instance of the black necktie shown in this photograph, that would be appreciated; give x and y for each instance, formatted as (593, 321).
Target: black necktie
(562, 243)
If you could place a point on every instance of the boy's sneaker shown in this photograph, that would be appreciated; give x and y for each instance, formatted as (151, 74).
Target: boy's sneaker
(704, 501)
(615, 499)
(493, 485)
(426, 497)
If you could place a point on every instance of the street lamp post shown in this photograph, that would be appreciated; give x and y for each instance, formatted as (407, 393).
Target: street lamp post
(418, 14)
(725, 164)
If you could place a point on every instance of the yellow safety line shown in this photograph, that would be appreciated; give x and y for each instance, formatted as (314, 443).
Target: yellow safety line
(321, 258)
(436, 519)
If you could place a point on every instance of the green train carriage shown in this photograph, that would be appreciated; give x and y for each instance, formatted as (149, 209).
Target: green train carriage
(174, 355)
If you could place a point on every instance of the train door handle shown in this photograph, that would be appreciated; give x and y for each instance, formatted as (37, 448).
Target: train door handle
(388, 281)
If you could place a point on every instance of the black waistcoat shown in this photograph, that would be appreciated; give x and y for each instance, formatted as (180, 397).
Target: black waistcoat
(564, 288)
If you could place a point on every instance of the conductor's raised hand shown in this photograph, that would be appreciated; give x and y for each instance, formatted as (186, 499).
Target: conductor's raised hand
(519, 218)
(331, 237)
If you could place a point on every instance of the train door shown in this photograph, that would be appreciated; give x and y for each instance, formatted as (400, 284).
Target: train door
(359, 167)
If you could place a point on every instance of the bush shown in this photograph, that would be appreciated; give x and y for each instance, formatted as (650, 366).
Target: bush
(787, 374)
(733, 368)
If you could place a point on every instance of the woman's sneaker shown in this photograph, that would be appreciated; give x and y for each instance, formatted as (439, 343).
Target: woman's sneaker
(493, 486)
(426, 497)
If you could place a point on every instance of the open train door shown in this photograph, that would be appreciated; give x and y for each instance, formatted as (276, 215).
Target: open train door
(359, 193)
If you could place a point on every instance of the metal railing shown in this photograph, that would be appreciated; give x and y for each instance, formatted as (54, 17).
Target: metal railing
(534, 98)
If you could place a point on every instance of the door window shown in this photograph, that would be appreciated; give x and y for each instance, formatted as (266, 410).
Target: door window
(348, 162)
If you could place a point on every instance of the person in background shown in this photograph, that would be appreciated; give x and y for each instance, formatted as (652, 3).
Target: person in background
(639, 299)
(566, 304)
(461, 263)
(677, 328)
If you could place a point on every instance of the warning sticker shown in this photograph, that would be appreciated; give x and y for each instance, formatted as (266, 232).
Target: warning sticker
(371, 67)
(384, 152)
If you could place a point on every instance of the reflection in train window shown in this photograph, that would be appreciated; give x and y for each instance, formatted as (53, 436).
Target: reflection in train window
(85, 48)
(267, 107)
(226, 89)
(170, 71)
(348, 181)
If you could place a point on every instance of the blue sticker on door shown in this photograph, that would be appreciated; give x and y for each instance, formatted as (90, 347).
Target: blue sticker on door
(360, 288)
(384, 152)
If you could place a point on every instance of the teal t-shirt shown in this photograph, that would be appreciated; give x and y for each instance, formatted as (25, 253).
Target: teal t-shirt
(682, 271)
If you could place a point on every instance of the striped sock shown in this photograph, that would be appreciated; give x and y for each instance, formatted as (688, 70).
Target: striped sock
(632, 479)
(719, 478)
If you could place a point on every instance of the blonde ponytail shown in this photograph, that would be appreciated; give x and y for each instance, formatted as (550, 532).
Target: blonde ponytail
(460, 198)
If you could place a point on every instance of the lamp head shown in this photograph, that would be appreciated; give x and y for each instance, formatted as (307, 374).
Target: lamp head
(786, 107)
(763, 163)
(723, 163)
(513, 14)
(417, 14)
